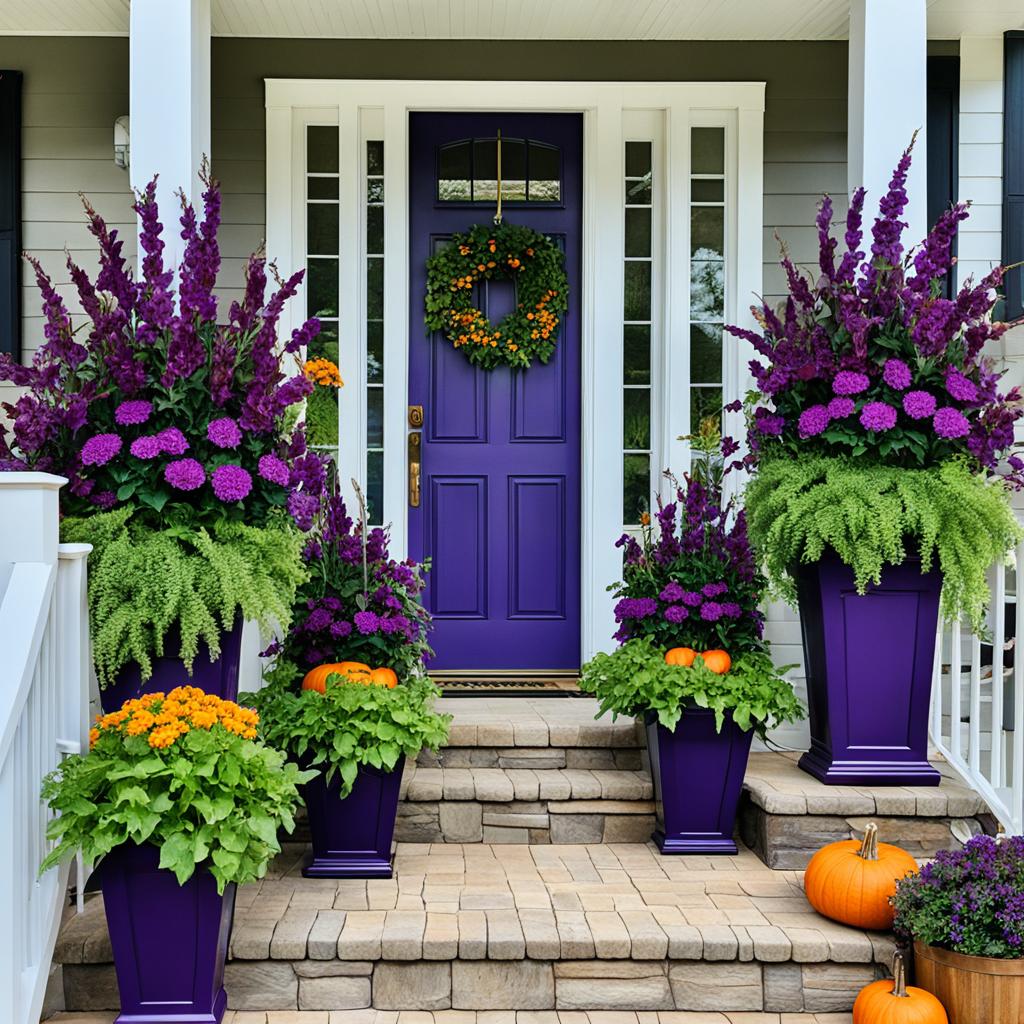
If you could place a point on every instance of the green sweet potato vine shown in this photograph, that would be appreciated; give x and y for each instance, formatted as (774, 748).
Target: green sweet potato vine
(871, 514)
(634, 679)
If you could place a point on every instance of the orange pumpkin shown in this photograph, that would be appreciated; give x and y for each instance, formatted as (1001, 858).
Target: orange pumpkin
(680, 656)
(896, 1002)
(384, 677)
(718, 661)
(316, 678)
(852, 882)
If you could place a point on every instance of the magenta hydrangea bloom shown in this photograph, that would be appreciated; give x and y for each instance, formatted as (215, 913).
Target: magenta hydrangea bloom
(146, 447)
(676, 613)
(366, 622)
(231, 483)
(273, 469)
(813, 420)
(897, 374)
(185, 474)
(949, 422)
(224, 433)
(692, 598)
(878, 416)
(711, 611)
(918, 405)
(841, 407)
(172, 441)
(960, 387)
(133, 412)
(850, 382)
(100, 449)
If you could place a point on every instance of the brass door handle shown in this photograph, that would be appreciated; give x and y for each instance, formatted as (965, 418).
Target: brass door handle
(415, 439)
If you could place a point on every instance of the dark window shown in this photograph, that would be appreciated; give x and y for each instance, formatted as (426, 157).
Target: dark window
(943, 140)
(10, 213)
(467, 171)
(1013, 172)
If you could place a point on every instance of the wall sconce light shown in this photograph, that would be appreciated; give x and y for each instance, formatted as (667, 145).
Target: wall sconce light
(122, 142)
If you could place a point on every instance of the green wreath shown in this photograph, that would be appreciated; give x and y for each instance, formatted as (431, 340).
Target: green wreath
(487, 252)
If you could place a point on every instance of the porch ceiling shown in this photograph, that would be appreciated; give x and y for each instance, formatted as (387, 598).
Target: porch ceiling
(514, 19)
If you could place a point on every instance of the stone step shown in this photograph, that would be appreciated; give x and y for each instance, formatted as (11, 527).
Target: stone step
(501, 927)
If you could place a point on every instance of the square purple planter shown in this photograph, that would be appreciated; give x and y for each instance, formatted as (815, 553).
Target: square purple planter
(698, 777)
(169, 941)
(218, 677)
(352, 837)
(869, 661)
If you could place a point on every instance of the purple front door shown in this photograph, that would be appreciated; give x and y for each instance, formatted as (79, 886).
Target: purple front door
(499, 512)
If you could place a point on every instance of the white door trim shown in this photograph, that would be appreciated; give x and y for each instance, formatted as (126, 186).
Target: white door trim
(385, 105)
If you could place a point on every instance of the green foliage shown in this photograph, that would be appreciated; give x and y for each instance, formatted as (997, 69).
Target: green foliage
(350, 724)
(212, 799)
(322, 403)
(496, 251)
(634, 679)
(866, 513)
(145, 582)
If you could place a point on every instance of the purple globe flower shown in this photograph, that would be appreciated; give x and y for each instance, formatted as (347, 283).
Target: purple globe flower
(841, 407)
(731, 610)
(635, 608)
(672, 592)
(918, 405)
(949, 422)
(676, 613)
(172, 441)
(813, 421)
(185, 474)
(850, 382)
(711, 611)
(100, 449)
(146, 447)
(714, 589)
(878, 416)
(273, 469)
(897, 374)
(960, 387)
(340, 630)
(231, 483)
(318, 619)
(133, 412)
(224, 433)
(366, 622)
(692, 598)
(105, 500)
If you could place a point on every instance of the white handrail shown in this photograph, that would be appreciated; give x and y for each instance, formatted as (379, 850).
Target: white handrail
(44, 654)
(977, 712)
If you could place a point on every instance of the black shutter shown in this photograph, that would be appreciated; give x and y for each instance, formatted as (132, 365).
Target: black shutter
(1013, 171)
(10, 213)
(943, 141)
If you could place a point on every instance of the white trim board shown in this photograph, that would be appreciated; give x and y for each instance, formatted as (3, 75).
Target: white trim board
(611, 112)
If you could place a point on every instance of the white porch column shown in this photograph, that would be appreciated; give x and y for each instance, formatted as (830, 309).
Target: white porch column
(169, 100)
(888, 102)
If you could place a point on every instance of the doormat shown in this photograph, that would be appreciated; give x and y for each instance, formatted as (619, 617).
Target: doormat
(505, 687)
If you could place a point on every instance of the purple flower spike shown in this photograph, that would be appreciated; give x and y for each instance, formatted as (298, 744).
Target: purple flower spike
(918, 405)
(897, 374)
(950, 423)
(850, 382)
(185, 474)
(100, 449)
(878, 416)
(224, 433)
(133, 412)
(231, 483)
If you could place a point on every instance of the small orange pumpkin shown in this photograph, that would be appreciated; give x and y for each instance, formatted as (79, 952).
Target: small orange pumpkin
(384, 677)
(717, 661)
(852, 882)
(680, 656)
(896, 1002)
(316, 678)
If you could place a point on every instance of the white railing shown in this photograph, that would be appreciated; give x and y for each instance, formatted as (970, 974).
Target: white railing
(44, 694)
(977, 714)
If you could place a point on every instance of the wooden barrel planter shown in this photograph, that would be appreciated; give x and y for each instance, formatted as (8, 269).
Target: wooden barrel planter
(973, 989)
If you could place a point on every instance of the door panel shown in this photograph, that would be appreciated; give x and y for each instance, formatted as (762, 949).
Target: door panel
(500, 510)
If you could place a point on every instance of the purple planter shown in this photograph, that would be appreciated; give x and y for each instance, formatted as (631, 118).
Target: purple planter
(219, 677)
(698, 777)
(869, 666)
(169, 941)
(352, 837)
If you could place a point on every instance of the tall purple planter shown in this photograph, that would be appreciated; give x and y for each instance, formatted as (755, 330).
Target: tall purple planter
(869, 662)
(352, 837)
(169, 941)
(698, 777)
(219, 677)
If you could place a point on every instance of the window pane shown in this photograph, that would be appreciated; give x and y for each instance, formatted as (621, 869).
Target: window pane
(322, 228)
(705, 403)
(706, 354)
(638, 193)
(375, 229)
(375, 288)
(375, 157)
(637, 291)
(513, 169)
(485, 169)
(375, 487)
(638, 232)
(636, 354)
(636, 419)
(707, 291)
(545, 172)
(374, 351)
(322, 149)
(707, 190)
(375, 190)
(374, 417)
(322, 288)
(323, 188)
(707, 154)
(638, 159)
(636, 487)
(455, 172)
(707, 232)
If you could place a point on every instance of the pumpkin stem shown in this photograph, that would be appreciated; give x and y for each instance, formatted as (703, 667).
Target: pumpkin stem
(869, 846)
(899, 974)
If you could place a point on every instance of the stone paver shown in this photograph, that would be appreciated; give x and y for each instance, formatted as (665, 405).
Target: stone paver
(489, 1017)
